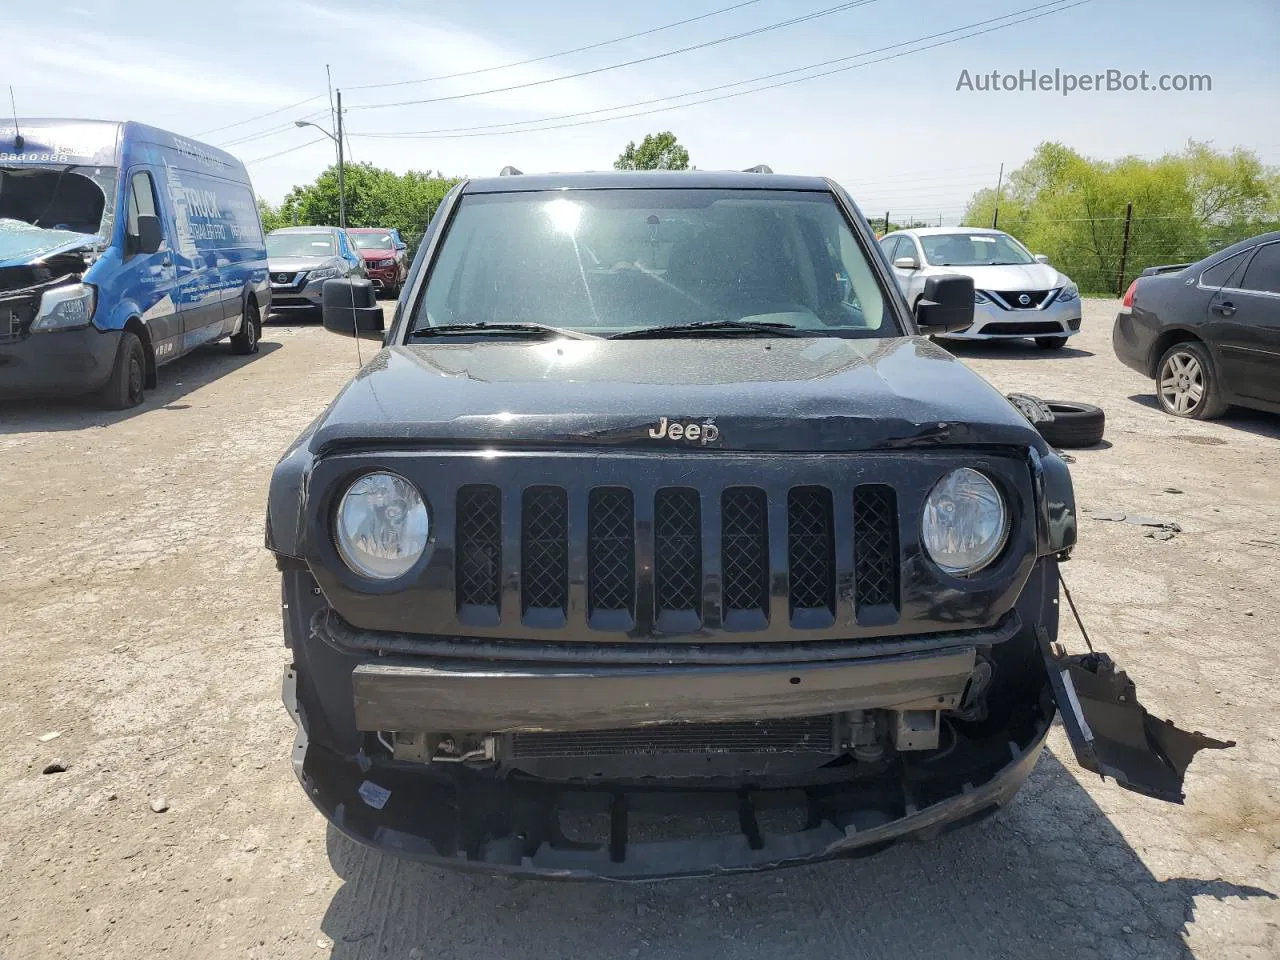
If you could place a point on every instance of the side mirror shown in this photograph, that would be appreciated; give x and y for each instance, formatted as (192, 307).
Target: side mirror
(350, 308)
(1042, 258)
(906, 263)
(150, 234)
(945, 306)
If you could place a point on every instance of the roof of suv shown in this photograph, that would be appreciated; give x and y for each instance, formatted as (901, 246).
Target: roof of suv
(304, 230)
(645, 180)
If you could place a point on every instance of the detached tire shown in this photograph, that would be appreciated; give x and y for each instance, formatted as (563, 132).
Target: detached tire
(1051, 343)
(1073, 424)
(125, 389)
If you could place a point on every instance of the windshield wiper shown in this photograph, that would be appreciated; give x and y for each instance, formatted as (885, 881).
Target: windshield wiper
(744, 326)
(482, 328)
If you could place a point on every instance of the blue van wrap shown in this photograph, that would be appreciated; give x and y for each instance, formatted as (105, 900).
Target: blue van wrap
(207, 277)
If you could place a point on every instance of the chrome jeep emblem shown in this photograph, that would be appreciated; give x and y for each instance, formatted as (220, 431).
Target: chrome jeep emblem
(1024, 300)
(704, 432)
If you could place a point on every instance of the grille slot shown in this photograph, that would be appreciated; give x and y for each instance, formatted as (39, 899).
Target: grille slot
(611, 551)
(677, 526)
(811, 553)
(875, 546)
(793, 735)
(1025, 329)
(744, 546)
(479, 546)
(544, 550)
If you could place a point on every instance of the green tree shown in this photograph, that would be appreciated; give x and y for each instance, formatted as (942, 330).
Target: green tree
(375, 197)
(1185, 205)
(657, 151)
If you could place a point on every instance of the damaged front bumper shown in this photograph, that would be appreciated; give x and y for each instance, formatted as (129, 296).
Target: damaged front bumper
(386, 771)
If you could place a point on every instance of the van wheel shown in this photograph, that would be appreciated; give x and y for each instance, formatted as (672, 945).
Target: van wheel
(246, 341)
(128, 375)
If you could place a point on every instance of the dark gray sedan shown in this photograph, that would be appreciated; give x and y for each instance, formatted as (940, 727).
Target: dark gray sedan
(1208, 333)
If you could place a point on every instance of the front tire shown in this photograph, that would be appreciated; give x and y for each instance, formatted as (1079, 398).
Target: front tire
(1051, 343)
(126, 387)
(1187, 382)
(245, 342)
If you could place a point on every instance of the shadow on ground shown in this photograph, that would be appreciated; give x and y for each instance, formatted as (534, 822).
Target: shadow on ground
(1048, 877)
(177, 379)
(1237, 418)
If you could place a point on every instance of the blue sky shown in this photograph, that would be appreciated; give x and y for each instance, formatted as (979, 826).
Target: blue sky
(897, 132)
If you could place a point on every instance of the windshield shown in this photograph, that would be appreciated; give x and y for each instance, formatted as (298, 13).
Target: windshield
(300, 245)
(371, 241)
(81, 199)
(605, 262)
(973, 250)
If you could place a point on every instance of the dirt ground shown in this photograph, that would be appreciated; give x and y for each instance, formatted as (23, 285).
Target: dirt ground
(139, 620)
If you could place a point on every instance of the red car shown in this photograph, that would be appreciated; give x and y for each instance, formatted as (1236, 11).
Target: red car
(384, 257)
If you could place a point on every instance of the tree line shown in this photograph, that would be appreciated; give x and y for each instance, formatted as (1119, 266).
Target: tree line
(1102, 222)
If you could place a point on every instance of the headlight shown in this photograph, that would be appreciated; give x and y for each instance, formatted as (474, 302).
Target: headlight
(965, 522)
(381, 526)
(324, 273)
(1068, 293)
(65, 308)
(980, 297)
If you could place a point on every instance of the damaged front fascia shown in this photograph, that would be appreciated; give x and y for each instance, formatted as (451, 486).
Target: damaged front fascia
(1111, 733)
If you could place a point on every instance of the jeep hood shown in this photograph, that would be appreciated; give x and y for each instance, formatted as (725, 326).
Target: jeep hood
(21, 243)
(777, 394)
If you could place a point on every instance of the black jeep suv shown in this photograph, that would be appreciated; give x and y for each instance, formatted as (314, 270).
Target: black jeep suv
(658, 500)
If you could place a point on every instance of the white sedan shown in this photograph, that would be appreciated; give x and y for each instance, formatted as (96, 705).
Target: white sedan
(1016, 294)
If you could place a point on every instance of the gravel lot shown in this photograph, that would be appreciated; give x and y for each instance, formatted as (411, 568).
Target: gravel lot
(139, 620)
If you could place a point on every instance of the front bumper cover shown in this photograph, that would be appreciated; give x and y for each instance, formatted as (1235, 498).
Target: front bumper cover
(992, 322)
(58, 363)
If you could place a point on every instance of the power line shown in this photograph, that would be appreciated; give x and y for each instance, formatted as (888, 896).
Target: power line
(281, 153)
(562, 53)
(272, 131)
(261, 116)
(626, 63)
(1054, 6)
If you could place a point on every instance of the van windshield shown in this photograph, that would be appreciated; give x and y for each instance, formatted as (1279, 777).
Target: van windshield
(300, 245)
(610, 262)
(80, 199)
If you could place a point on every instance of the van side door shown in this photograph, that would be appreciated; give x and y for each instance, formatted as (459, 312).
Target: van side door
(150, 279)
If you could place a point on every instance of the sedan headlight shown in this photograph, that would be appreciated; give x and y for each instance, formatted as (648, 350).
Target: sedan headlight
(965, 522)
(1068, 293)
(65, 308)
(324, 273)
(381, 527)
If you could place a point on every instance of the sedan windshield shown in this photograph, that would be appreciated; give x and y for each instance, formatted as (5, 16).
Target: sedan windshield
(609, 262)
(300, 245)
(372, 241)
(973, 250)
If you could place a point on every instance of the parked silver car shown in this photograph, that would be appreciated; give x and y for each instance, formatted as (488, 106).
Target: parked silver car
(301, 259)
(1016, 294)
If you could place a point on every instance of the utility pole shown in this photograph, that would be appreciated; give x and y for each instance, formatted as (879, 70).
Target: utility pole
(342, 182)
(886, 221)
(1124, 250)
(995, 214)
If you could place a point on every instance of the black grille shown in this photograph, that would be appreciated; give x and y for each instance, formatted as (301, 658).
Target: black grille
(282, 278)
(677, 525)
(611, 550)
(810, 549)
(744, 536)
(794, 735)
(544, 547)
(16, 314)
(875, 545)
(1014, 298)
(1024, 329)
(479, 546)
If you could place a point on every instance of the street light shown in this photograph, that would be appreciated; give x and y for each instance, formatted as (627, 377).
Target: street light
(342, 185)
